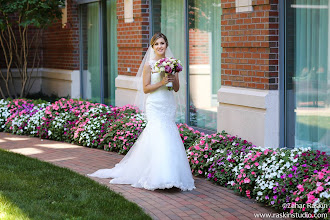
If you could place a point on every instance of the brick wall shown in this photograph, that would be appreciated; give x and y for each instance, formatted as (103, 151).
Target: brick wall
(132, 38)
(61, 45)
(250, 45)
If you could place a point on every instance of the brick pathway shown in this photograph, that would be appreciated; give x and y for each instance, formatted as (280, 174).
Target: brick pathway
(208, 201)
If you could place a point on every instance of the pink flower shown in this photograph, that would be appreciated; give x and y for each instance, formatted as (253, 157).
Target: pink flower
(256, 163)
(297, 199)
(178, 68)
(320, 175)
(205, 156)
(300, 187)
(247, 166)
(168, 69)
(253, 173)
(246, 180)
(319, 189)
(200, 172)
(310, 198)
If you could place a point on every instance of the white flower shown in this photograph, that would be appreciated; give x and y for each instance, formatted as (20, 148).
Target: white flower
(324, 195)
(259, 193)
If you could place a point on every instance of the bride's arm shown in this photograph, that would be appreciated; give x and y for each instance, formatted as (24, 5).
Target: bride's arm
(176, 83)
(147, 87)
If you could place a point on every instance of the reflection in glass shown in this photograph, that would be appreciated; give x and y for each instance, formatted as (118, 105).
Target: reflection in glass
(204, 61)
(91, 52)
(308, 74)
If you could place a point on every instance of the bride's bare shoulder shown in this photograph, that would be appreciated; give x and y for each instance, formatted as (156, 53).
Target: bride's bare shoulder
(147, 66)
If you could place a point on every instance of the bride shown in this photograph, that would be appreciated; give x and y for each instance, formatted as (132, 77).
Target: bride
(158, 159)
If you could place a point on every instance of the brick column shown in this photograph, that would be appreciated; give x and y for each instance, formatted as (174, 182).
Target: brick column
(133, 42)
(250, 45)
(248, 98)
(132, 37)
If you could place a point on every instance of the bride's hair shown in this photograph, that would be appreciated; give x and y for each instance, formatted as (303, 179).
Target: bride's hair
(156, 37)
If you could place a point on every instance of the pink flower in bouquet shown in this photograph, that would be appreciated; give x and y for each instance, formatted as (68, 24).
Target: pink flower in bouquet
(178, 68)
(168, 69)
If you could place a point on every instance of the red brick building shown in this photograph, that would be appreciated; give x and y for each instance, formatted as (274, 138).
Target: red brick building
(255, 68)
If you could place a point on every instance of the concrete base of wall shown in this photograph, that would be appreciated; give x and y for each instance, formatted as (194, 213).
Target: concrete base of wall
(51, 81)
(126, 88)
(250, 114)
(61, 82)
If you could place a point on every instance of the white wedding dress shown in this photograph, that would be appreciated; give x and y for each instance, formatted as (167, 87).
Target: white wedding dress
(158, 159)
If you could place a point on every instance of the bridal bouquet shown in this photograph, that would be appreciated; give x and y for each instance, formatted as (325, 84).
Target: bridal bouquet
(169, 66)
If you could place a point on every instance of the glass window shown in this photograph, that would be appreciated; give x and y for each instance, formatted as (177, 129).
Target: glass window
(307, 74)
(204, 60)
(112, 51)
(91, 52)
(204, 27)
(168, 18)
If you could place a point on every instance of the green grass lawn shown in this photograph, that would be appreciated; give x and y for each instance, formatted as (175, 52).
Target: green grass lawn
(32, 189)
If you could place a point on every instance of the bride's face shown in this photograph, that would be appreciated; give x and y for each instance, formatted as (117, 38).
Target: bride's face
(160, 47)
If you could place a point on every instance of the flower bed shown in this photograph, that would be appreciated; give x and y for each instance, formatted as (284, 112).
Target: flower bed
(293, 180)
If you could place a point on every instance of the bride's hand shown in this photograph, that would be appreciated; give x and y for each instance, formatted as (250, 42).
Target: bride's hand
(171, 78)
(165, 80)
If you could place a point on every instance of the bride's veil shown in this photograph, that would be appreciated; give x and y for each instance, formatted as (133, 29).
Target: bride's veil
(140, 99)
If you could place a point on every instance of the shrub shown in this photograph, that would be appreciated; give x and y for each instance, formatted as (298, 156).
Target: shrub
(205, 148)
(4, 113)
(188, 135)
(313, 194)
(90, 128)
(225, 159)
(122, 133)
